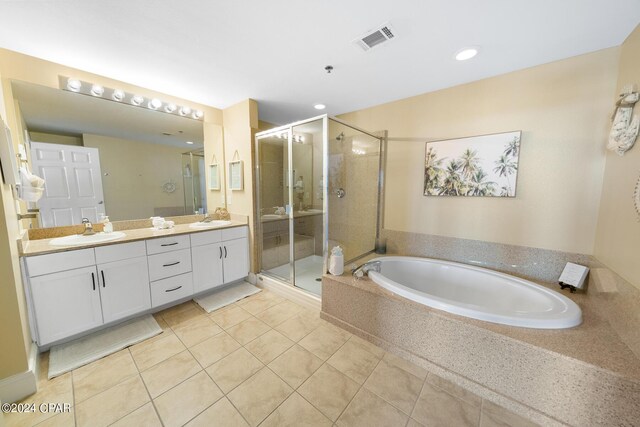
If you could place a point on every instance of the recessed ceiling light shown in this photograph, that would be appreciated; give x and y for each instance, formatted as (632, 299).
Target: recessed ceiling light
(74, 85)
(466, 53)
(319, 106)
(189, 142)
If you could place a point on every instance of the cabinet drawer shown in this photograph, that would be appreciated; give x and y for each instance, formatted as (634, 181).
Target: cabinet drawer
(206, 238)
(171, 289)
(166, 244)
(169, 264)
(113, 253)
(61, 261)
(234, 233)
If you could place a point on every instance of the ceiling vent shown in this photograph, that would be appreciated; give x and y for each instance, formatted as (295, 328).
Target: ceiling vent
(376, 37)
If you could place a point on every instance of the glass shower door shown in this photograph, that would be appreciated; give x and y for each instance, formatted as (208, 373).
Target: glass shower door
(274, 204)
(353, 193)
(308, 199)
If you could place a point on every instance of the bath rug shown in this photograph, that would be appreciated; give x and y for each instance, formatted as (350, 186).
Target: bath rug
(74, 354)
(226, 296)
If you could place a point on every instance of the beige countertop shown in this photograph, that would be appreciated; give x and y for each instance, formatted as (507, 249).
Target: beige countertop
(42, 246)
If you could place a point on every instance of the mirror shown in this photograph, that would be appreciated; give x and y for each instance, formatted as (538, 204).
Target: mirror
(102, 157)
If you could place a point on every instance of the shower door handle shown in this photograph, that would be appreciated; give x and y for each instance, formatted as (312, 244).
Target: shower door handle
(340, 193)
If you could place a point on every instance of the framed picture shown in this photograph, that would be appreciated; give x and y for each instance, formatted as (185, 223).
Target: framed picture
(236, 175)
(476, 166)
(214, 177)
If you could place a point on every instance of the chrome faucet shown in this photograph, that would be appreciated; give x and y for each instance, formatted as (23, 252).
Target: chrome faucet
(364, 269)
(207, 218)
(88, 227)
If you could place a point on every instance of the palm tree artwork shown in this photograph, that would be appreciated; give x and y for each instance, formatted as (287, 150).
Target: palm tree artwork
(481, 166)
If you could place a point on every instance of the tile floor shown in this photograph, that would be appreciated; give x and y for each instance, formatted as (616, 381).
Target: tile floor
(261, 361)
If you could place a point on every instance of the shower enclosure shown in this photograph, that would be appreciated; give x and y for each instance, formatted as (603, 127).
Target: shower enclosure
(193, 180)
(318, 186)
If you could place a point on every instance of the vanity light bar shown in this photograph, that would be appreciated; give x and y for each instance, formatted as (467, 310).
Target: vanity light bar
(117, 95)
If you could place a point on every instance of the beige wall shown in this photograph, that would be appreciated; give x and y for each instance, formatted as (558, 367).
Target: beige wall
(133, 173)
(14, 332)
(14, 329)
(618, 235)
(240, 126)
(53, 138)
(563, 110)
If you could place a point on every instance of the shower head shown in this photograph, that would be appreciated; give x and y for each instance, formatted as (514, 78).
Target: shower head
(340, 137)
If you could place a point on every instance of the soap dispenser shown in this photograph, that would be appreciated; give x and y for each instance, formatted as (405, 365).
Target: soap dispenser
(108, 227)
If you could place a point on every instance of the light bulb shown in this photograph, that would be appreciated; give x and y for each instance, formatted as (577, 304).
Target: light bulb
(170, 108)
(137, 100)
(154, 104)
(197, 114)
(118, 95)
(74, 85)
(97, 90)
(189, 142)
(185, 111)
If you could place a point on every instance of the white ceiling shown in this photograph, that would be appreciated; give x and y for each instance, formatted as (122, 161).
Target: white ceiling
(221, 52)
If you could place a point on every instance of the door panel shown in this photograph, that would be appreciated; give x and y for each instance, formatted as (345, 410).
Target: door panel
(207, 266)
(124, 288)
(236, 259)
(66, 303)
(73, 180)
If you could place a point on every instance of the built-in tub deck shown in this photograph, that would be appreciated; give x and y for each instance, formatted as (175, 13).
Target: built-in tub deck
(584, 375)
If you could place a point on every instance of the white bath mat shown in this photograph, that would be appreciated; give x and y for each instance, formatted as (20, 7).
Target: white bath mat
(66, 357)
(226, 296)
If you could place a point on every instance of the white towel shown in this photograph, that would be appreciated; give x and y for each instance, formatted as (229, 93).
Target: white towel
(31, 186)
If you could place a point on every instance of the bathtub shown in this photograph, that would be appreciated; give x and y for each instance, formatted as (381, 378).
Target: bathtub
(476, 292)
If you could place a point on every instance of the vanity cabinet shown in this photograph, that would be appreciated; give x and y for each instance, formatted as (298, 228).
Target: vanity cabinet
(75, 291)
(219, 257)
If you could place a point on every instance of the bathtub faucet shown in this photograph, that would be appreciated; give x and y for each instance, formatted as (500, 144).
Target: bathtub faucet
(364, 269)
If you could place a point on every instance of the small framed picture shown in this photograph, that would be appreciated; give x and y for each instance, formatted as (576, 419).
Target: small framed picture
(236, 175)
(214, 177)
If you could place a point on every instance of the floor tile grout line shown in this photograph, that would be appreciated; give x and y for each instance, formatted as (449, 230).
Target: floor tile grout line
(146, 388)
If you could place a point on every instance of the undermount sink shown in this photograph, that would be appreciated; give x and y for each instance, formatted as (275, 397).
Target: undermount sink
(210, 224)
(79, 239)
(274, 216)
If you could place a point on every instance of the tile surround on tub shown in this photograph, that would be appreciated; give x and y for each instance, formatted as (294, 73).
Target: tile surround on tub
(530, 263)
(558, 385)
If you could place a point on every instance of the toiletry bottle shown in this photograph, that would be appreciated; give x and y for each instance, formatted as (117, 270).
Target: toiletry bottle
(336, 261)
(108, 227)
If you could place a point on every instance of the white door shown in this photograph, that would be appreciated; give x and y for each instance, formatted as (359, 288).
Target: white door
(236, 259)
(66, 303)
(73, 183)
(124, 288)
(207, 266)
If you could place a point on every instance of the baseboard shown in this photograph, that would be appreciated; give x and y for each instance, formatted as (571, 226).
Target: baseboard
(289, 292)
(19, 386)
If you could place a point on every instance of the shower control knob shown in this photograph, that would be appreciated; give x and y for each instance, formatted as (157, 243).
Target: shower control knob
(340, 193)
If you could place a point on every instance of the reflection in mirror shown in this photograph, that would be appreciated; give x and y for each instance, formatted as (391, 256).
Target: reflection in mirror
(100, 157)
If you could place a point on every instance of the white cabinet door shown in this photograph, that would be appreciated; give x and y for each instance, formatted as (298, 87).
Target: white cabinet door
(66, 303)
(236, 259)
(207, 266)
(124, 288)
